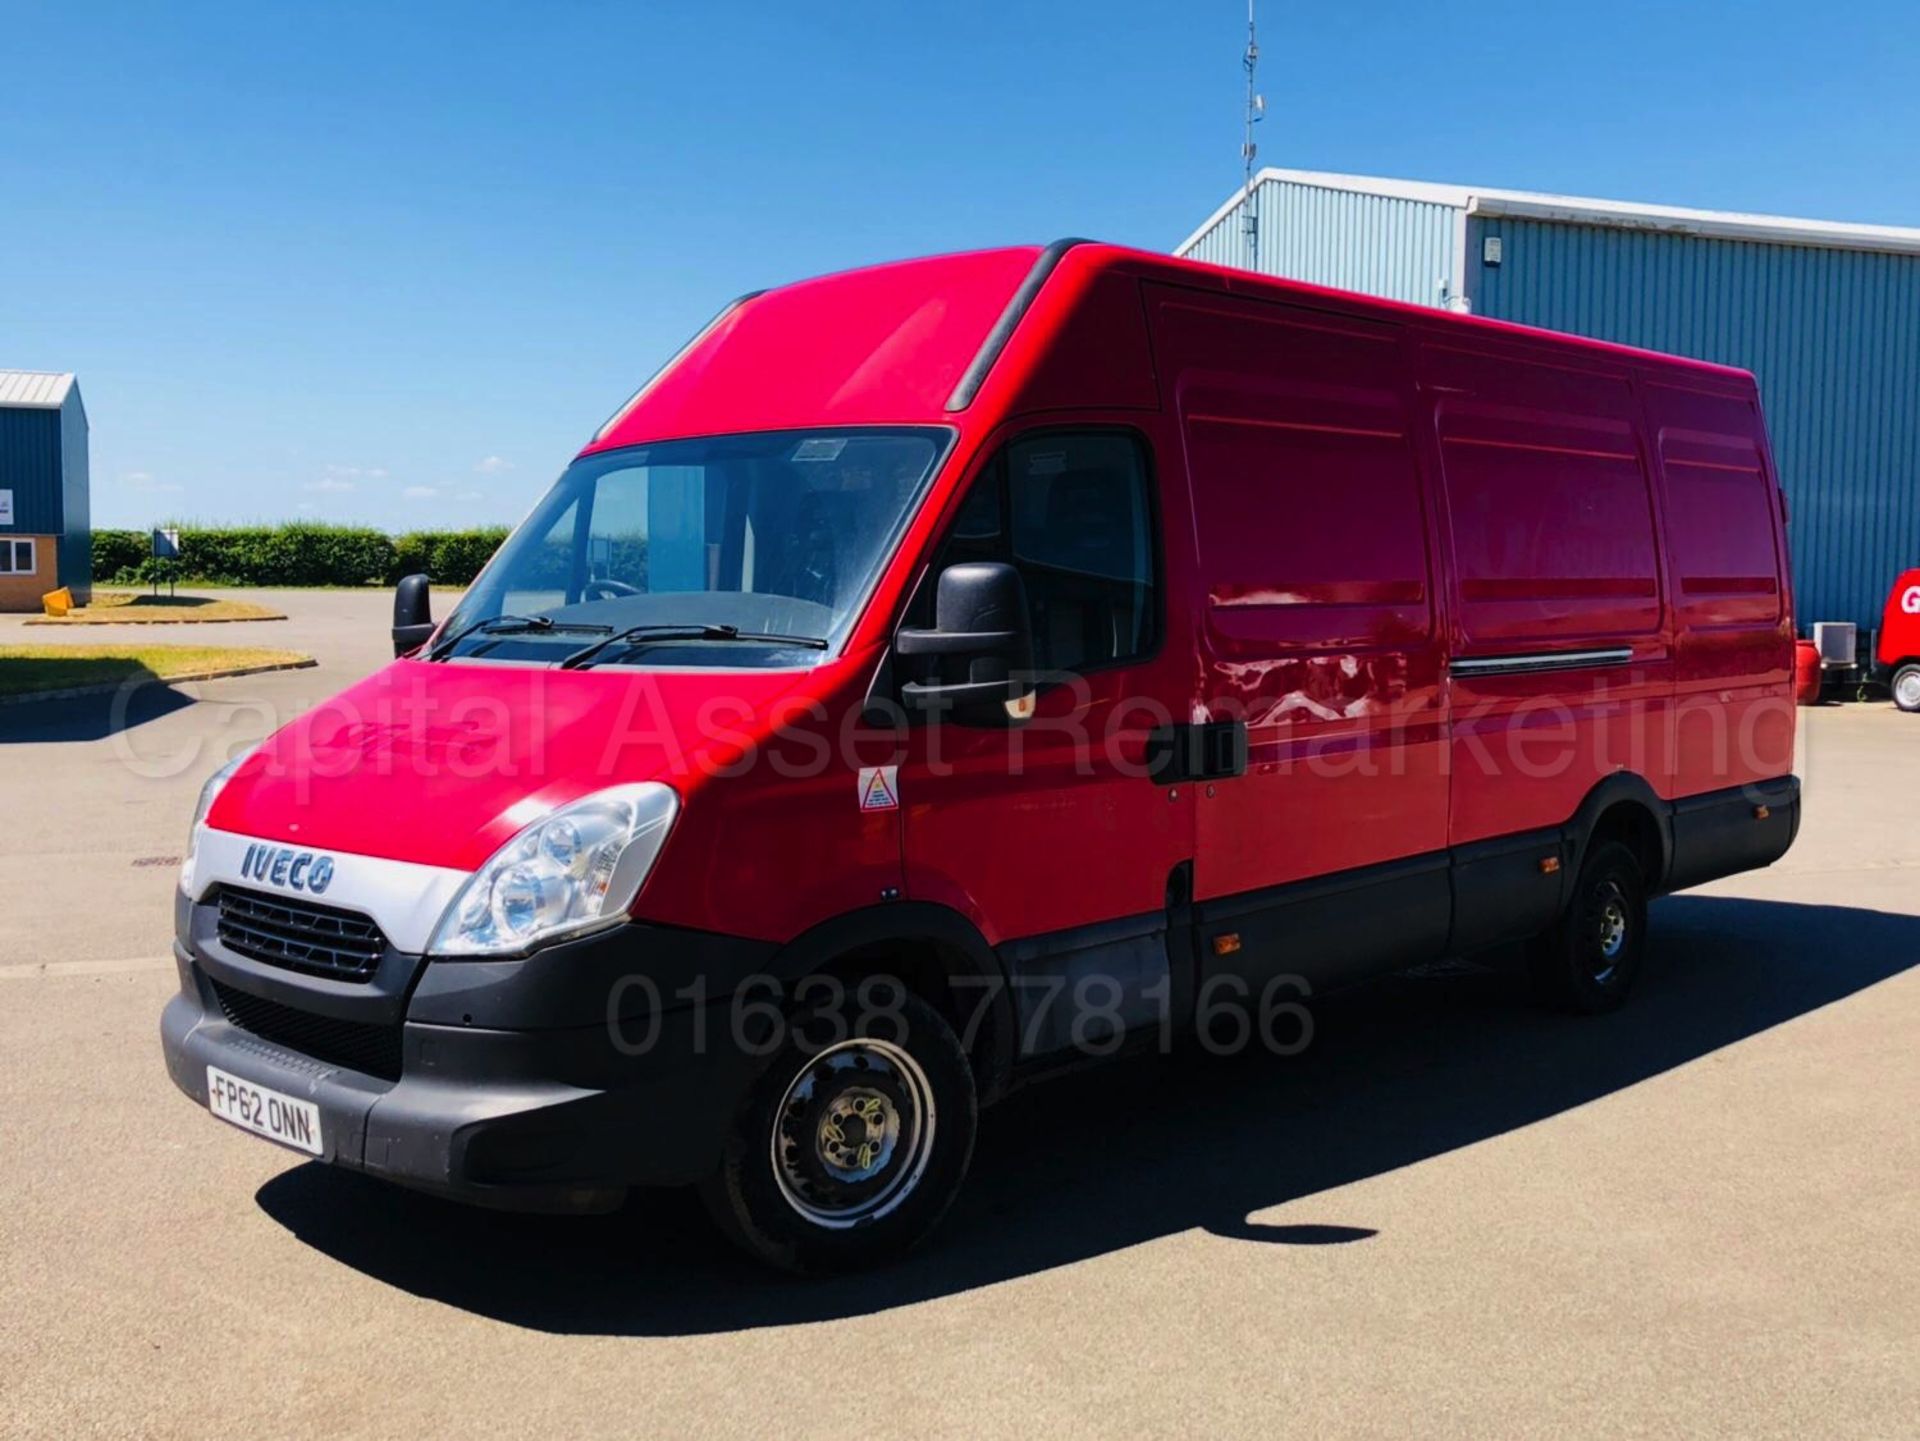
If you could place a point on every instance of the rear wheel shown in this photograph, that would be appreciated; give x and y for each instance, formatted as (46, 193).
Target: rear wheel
(854, 1141)
(1588, 962)
(1906, 686)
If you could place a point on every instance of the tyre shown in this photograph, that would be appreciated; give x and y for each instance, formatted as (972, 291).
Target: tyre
(854, 1140)
(1906, 687)
(1587, 963)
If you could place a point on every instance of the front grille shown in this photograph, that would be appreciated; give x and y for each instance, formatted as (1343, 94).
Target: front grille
(300, 935)
(356, 1045)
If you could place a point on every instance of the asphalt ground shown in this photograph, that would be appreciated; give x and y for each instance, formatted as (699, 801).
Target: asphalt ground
(1453, 1215)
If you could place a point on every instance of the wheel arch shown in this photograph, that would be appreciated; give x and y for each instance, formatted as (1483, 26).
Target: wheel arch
(1625, 807)
(939, 954)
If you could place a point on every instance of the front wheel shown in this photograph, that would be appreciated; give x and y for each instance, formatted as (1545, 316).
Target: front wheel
(853, 1142)
(1906, 687)
(1588, 961)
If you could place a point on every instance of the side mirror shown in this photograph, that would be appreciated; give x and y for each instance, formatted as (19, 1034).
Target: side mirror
(977, 661)
(412, 614)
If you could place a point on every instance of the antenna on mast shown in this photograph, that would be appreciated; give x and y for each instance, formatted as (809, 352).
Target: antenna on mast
(1256, 110)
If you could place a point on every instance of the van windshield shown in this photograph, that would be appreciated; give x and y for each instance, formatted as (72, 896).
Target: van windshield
(733, 550)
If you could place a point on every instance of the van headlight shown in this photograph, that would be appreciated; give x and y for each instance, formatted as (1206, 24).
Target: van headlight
(209, 792)
(575, 869)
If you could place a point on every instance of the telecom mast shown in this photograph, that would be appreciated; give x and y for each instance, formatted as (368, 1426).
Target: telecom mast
(1256, 109)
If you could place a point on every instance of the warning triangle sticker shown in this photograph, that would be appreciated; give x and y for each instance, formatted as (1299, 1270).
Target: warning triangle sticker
(879, 788)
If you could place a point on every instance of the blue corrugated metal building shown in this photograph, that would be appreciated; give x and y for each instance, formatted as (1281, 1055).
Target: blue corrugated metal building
(1826, 315)
(46, 539)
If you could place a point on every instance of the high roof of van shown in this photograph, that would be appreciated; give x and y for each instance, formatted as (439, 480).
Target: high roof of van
(918, 341)
(884, 344)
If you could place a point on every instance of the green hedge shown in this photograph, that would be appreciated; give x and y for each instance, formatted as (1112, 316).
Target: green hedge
(118, 552)
(297, 554)
(451, 557)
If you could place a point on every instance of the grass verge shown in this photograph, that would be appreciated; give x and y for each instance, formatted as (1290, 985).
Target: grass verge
(28, 669)
(120, 607)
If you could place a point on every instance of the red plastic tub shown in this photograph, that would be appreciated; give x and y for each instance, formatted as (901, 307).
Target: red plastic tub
(1806, 673)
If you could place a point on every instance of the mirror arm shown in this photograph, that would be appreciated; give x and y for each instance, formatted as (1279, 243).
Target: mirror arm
(948, 642)
(970, 693)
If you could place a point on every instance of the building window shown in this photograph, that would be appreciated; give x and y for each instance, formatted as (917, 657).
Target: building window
(17, 557)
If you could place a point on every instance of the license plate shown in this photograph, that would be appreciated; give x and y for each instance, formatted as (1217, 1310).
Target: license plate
(263, 1112)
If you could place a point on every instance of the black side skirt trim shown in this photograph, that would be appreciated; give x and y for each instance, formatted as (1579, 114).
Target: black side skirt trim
(1353, 925)
(1332, 930)
(1738, 829)
(1087, 986)
(1501, 891)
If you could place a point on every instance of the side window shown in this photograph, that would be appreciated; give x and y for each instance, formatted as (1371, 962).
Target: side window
(1072, 513)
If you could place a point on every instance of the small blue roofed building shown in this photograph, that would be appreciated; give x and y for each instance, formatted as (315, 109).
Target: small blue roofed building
(46, 540)
(1826, 314)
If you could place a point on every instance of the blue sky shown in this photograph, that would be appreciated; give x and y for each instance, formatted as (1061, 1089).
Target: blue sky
(393, 263)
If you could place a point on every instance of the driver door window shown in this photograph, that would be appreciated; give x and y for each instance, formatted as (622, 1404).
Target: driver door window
(1070, 511)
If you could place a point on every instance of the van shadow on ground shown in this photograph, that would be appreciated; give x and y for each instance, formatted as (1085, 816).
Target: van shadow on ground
(1399, 1072)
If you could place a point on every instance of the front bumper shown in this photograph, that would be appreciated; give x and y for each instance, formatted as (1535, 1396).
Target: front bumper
(514, 1088)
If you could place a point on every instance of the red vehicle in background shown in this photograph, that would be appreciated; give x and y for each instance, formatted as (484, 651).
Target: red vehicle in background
(1898, 653)
(945, 672)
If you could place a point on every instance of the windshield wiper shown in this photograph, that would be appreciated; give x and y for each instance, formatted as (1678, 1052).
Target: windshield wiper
(650, 634)
(508, 625)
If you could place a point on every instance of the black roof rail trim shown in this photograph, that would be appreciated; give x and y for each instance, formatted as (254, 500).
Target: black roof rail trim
(674, 359)
(1010, 318)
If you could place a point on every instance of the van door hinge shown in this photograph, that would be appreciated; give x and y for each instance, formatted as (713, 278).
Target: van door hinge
(1211, 750)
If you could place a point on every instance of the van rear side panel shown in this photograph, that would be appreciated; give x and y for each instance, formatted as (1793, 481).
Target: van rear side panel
(1727, 562)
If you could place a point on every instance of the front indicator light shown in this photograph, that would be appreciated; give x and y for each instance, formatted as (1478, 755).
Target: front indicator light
(576, 869)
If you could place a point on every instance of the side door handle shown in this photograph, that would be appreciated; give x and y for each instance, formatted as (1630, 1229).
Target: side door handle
(1211, 750)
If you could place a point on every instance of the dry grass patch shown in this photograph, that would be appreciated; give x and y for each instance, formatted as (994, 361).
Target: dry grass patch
(122, 607)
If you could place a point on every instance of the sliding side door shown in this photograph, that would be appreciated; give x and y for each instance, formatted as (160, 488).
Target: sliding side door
(1326, 858)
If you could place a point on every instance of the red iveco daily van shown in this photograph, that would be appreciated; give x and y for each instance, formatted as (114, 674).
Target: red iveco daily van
(943, 672)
